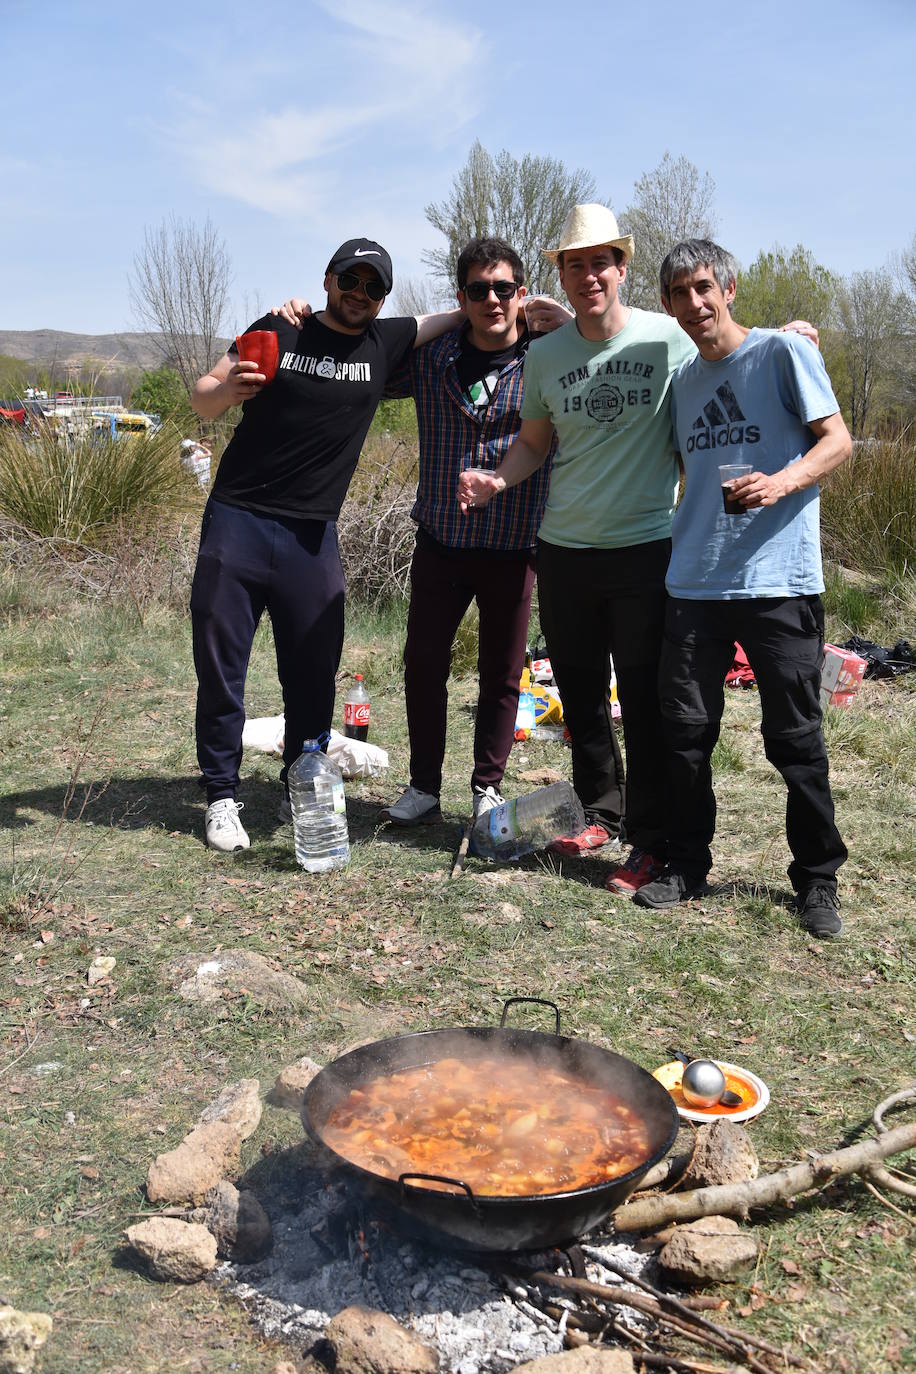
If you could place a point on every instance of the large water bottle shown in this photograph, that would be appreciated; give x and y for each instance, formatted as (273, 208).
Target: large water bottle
(528, 823)
(319, 807)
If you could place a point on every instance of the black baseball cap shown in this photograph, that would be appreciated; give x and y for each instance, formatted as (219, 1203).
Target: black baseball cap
(366, 252)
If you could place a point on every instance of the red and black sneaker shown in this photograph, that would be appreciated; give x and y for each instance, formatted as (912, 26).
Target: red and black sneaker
(640, 868)
(592, 837)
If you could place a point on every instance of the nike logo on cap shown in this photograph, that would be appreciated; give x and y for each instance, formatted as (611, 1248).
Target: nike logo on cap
(366, 253)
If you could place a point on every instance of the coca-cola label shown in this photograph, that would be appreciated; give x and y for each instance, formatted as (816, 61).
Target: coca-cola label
(356, 713)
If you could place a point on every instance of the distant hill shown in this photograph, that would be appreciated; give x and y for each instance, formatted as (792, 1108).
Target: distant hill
(54, 346)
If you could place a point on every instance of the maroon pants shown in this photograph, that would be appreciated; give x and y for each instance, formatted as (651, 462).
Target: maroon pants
(443, 583)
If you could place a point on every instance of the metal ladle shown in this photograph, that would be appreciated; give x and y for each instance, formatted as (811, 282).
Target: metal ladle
(703, 1083)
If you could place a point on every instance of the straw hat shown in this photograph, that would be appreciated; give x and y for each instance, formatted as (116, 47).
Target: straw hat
(591, 226)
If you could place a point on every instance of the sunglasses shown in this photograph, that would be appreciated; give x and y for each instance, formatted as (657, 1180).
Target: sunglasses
(349, 281)
(479, 290)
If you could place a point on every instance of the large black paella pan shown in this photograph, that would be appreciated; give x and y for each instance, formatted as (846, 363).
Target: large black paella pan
(446, 1206)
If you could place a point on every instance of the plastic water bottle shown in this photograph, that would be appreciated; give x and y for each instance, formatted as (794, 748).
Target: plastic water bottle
(356, 710)
(319, 807)
(528, 823)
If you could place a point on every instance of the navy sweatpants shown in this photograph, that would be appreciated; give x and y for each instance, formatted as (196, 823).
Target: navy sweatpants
(250, 563)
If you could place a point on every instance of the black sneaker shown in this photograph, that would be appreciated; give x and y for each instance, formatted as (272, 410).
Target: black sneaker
(670, 888)
(817, 909)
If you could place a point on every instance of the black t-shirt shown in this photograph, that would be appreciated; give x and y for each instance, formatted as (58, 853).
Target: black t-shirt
(298, 441)
(478, 370)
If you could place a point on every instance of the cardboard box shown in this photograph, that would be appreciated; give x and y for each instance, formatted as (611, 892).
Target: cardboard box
(841, 674)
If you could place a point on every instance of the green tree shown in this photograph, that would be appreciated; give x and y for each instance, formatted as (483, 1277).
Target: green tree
(780, 286)
(876, 322)
(670, 203)
(523, 201)
(162, 393)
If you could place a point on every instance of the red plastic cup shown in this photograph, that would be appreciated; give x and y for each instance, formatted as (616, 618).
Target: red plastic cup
(259, 346)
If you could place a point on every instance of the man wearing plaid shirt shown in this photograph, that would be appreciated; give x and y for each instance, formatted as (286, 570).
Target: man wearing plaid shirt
(467, 386)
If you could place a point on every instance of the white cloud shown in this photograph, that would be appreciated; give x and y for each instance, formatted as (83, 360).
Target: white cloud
(403, 75)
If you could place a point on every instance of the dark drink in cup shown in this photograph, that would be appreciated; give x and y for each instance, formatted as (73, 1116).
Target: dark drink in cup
(728, 475)
(259, 346)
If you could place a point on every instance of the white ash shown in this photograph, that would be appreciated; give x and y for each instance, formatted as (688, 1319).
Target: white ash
(320, 1263)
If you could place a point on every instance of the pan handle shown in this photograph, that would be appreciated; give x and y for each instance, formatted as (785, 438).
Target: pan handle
(443, 1178)
(540, 1001)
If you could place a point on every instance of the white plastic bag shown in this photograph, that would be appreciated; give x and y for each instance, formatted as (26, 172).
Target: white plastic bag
(356, 758)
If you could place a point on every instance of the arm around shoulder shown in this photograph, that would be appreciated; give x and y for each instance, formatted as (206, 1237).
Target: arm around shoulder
(431, 326)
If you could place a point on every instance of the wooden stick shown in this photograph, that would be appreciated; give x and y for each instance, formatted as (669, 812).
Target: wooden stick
(458, 867)
(907, 1094)
(667, 1309)
(738, 1199)
(886, 1179)
(886, 1202)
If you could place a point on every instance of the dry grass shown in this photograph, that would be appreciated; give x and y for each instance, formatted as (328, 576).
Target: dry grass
(391, 945)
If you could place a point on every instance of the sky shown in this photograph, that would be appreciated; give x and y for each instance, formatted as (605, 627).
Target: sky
(294, 127)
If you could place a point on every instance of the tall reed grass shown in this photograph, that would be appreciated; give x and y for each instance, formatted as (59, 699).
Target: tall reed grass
(78, 487)
(868, 510)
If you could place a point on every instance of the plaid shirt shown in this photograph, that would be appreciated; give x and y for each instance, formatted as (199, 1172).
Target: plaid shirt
(453, 436)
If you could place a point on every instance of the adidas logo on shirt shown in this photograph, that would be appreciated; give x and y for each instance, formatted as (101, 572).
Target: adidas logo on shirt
(721, 423)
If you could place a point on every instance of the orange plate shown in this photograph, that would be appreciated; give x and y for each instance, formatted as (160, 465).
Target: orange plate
(752, 1090)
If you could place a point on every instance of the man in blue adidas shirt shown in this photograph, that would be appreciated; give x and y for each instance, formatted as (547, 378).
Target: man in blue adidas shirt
(763, 399)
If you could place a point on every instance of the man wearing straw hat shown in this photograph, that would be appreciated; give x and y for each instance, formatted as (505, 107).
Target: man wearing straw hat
(602, 382)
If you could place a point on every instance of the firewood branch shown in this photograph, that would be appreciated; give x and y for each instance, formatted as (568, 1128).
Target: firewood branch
(738, 1199)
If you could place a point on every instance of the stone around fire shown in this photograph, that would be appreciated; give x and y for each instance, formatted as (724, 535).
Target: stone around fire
(723, 1154)
(585, 1359)
(180, 1251)
(708, 1250)
(187, 1173)
(238, 1221)
(239, 1104)
(292, 1082)
(367, 1342)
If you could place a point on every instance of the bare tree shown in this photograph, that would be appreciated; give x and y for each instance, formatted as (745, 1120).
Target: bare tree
(907, 268)
(670, 203)
(874, 320)
(421, 296)
(522, 201)
(179, 288)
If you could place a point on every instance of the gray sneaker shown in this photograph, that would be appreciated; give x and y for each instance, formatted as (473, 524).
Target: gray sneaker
(817, 909)
(224, 830)
(668, 889)
(413, 807)
(485, 798)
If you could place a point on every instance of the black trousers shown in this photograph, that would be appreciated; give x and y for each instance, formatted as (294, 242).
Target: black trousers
(783, 638)
(595, 603)
(250, 563)
(443, 583)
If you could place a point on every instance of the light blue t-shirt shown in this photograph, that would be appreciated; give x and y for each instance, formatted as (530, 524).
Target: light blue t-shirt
(751, 407)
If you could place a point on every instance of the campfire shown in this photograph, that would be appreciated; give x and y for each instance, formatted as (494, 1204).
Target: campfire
(482, 1282)
(482, 1315)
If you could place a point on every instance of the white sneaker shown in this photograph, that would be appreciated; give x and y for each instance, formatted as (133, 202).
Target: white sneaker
(485, 798)
(413, 807)
(225, 831)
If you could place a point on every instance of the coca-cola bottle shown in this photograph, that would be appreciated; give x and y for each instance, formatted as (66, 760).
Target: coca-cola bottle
(356, 710)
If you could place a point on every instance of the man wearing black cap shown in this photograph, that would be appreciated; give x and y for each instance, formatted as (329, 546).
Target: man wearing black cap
(269, 537)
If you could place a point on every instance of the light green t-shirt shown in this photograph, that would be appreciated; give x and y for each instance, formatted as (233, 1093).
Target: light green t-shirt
(614, 476)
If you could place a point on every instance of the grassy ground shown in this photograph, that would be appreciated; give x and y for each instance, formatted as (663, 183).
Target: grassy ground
(95, 1081)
